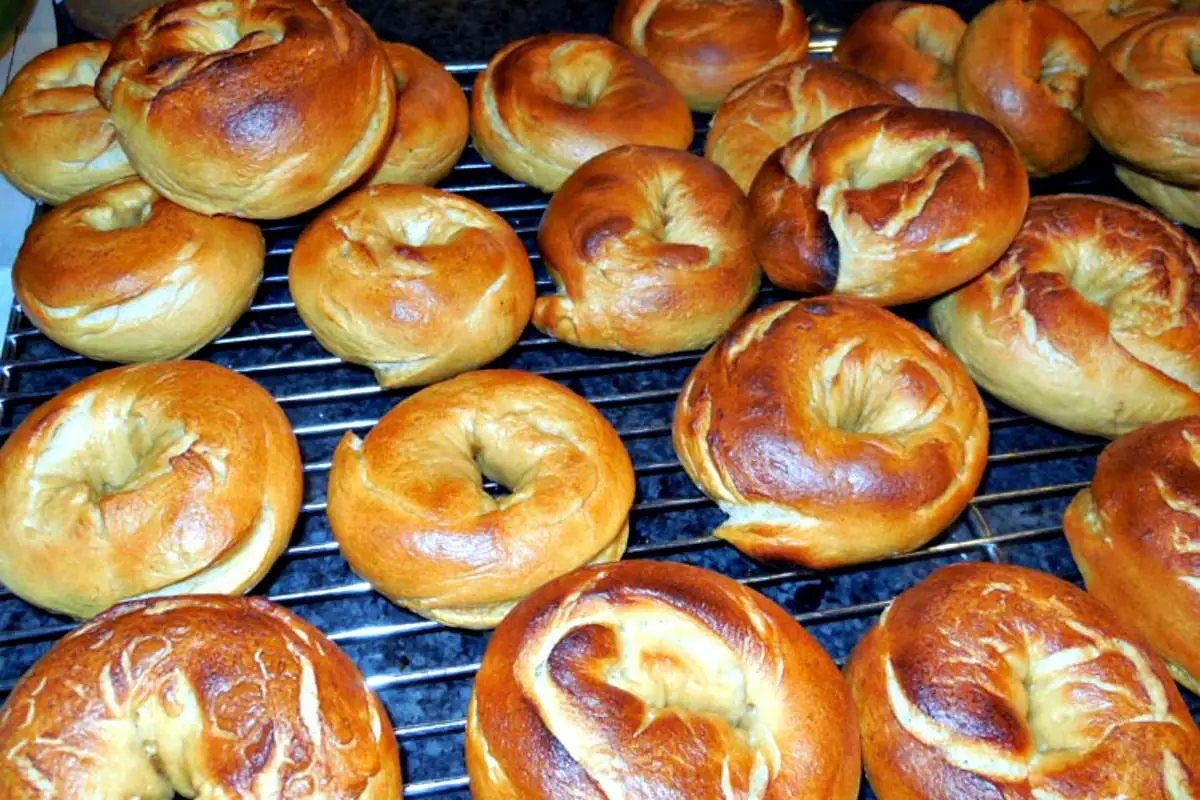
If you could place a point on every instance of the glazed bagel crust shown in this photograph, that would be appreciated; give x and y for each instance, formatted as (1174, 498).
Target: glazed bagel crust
(1142, 99)
(907, 47)
(707, 47)
(202, 695)
(831, 432)
(1022, 67)
(416, 283)
(56, 140)
(651, 251)
(547, 104)
(169, 478)
(892, 203)
(1135, 534)
(432, 120)
(762, 114)
(122, 274)
(655, 679)
(1104, 20)
(407, 507)
(988, 680)
(256, 108)
(1090, 321)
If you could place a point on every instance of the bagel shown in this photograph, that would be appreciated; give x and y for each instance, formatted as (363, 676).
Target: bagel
(907, 47)
(546, 104)
(831, 432)
(199, 696)
(761, 115)
(154, 479)
(1090, 321)
(891, 203)
(706, 49)
(1180, 203)
(416, 283)
(1022, 67)
(255, 109)
(646, 679)
(1105, 20)
(123, 274)
(989, 680)
(650, 248)
(407, 507)
(56, 140)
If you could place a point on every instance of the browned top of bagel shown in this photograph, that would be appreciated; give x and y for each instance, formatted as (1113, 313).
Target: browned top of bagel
(1105, 20)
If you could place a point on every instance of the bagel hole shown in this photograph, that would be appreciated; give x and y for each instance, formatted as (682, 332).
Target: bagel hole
(1194, 56)
(220, 31)
(579, 77)
(889, 161)
(493, 480)
(1062, 75)
(123, 210)
(866, 395)
(1092, 275)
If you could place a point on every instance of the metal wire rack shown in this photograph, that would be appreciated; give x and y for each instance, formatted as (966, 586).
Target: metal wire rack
(422, 670)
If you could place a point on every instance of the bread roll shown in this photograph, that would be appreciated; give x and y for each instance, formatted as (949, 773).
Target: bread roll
(1090, 321)
(259, 110)
(199, 696)
(409, 511)
(416, 283)
(646, 679)
(548, 103)
(706, 49)
(56, 140)
(831, 432)
(650, 248)
(123, 274)
(989, 680)
(891, 203)
(155, 479)
(1022, 67)
(1104, 20)
(762, 114)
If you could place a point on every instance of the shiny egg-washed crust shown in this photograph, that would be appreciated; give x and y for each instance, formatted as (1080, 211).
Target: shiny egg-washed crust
(1135, 534)
(204, 696)
(907, 47)
(256, 108)
(891, 203)
(763, 114)
(654, 679)
(416, 283)
(650, 248)
(123, 274)
(56, 140)
(1142, 99)
(831, 432)
(432, 120)
(170, 478)
(1022, 67)
(1090, 321)
(989, 680)
(546, 104)
(408, 508)
(1180, 203)
(1105, 20)
(706, 48)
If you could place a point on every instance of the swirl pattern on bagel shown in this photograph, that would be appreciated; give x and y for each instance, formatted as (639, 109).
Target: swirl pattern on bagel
(1105, 20)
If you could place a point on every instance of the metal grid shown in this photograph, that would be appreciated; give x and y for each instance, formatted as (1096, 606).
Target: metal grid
(422, 670)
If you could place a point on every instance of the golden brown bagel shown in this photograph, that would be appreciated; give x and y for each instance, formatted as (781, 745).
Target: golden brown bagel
(407, 506)
(831, 432)
(199, 696)
(762, 114)
(1105, 20)
(655, 679)
(548, 103)
(907, 47)
(122, 274)
(1135, 534)
(432, 120)
(988, 680)
(56, 140)
(1090, 321)
(154, 479)
(650, 248)
(891, 203)
(706, 48)
(416, 283)
(256, 109)
(1022, 67)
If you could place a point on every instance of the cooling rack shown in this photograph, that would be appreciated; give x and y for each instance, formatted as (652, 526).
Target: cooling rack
(422, 670)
